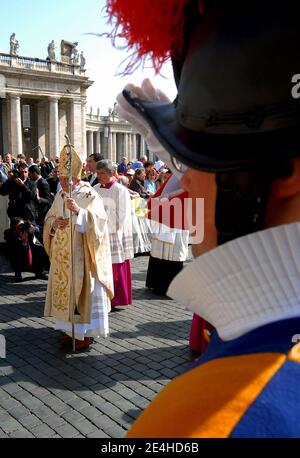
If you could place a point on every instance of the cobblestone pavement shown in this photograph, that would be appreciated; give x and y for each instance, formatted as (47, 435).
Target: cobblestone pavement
(45, 392)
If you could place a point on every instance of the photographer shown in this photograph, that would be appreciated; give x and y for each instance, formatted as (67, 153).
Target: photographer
(42, 199)
(21, 191)
(46, 167)
(53, 182)
(24, 251)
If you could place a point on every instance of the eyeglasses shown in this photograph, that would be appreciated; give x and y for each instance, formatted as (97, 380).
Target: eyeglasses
(179, 166)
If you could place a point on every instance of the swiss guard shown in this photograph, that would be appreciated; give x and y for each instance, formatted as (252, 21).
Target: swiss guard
(233, 137)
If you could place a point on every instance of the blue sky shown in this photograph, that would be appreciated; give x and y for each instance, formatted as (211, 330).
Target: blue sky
(36, 23)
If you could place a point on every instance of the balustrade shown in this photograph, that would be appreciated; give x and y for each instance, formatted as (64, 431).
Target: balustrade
(40, 65)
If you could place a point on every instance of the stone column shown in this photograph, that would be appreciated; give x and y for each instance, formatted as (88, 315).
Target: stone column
(120, 147)
(4, 220)
(126, 149)
(114, 147)
(143, 149)
(134, 148)
(130, 150)
(94, 142)
(146, 150)
(53, 127)
(83, 128)
(16, 141)
(76, 126)
(103, 145)
(125, 146)
(98, 142)
(41, 128)
(106, 146)
(90, 143)
(109, 147)
(5, 126)
(63, 123)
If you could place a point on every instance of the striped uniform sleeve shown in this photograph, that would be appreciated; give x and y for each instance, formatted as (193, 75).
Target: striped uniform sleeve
(210, 400)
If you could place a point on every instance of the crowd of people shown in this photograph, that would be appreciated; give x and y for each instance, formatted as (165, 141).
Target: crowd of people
(168, 248)
(29, 198)
(124, 190)
(231, 139)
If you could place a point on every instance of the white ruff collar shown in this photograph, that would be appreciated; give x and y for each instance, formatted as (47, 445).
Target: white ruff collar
(245, 283)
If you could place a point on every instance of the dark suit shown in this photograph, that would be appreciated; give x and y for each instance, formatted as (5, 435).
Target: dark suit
(89, 179)
(21, 199)
(53, 184)
(44, 202)
(46, 169)
(138, 186)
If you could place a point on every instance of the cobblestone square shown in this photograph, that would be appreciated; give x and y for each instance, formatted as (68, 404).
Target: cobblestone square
(45, 392)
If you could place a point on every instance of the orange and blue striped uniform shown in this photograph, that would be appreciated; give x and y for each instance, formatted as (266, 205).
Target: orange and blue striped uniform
(246, 387)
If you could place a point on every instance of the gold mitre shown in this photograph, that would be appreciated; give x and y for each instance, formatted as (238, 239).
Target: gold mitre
(68, 160)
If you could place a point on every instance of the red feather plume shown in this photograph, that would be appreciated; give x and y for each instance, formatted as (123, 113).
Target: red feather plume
(151, 28)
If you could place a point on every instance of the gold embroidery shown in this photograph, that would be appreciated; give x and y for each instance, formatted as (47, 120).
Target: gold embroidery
(61, 269)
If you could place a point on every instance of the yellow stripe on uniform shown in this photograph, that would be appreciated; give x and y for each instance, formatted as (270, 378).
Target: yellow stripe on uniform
(208, 401)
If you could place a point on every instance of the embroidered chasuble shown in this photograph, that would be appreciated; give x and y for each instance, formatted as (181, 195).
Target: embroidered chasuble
(91, 256)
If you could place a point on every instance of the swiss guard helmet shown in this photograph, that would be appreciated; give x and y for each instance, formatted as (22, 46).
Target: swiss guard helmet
(235, 114)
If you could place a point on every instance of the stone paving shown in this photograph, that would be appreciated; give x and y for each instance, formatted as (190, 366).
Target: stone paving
(45, 392)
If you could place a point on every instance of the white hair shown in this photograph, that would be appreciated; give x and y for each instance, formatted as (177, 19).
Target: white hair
(124, 181)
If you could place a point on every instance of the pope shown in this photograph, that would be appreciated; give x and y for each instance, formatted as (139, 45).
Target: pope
(80, 276)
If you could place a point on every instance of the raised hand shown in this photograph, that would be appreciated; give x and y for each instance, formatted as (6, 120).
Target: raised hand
(71, 205)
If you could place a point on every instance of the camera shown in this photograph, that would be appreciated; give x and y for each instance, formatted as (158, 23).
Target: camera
(25, 226)
(16, 174)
